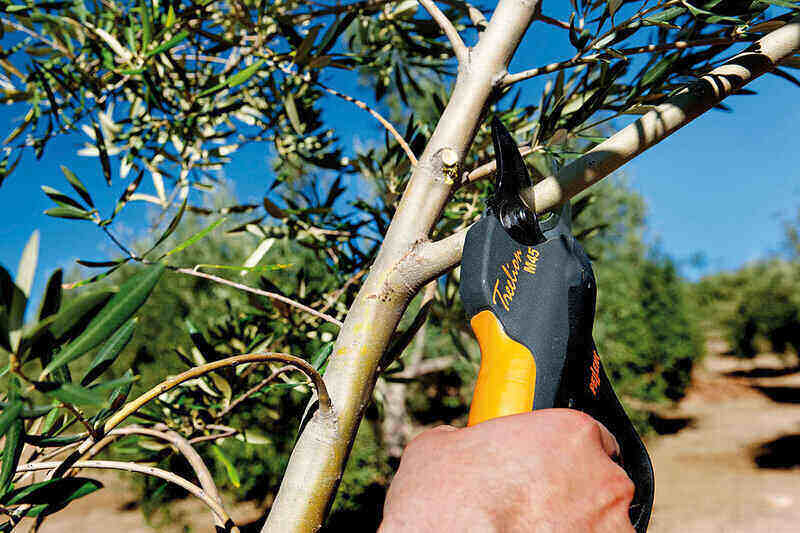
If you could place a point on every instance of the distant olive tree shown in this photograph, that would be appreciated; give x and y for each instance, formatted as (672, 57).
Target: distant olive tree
(167, 90)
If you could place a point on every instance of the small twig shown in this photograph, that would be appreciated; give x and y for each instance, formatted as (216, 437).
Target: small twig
(385, 123)
(271, 295)
(402, 341)
(510, 79)
(214, 436)
(193, 489)
(263, 383)
(336, 295)
(489, 168)
(322, 392)
(459, 48)
(79, 416)
(119, 244)
(553, 22)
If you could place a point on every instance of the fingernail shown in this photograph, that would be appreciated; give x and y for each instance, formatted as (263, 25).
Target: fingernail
(610, 444)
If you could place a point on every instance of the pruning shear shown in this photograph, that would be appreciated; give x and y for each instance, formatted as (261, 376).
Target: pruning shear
(529, 292)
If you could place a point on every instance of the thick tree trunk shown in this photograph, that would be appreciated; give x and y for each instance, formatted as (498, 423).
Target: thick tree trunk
(317, 462)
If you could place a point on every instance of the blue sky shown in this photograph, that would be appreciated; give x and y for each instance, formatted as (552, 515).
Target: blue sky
(721, 186)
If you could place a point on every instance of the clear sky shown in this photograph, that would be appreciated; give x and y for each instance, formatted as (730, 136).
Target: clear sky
(721, 186)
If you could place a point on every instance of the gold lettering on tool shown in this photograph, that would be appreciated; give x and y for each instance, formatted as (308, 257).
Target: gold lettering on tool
(505, 291)
(531, 258)
(594, 379)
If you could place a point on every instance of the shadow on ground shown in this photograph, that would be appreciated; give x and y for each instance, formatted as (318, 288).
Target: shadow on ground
(781, 453)
(764, 372)
(780, 394)
(669, 425)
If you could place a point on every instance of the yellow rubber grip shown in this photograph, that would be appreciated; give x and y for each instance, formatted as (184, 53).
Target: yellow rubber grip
(507, 377)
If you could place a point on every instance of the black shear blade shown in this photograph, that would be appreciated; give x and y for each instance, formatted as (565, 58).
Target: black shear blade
(520, 223)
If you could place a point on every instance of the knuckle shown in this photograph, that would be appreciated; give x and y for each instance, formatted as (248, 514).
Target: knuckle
(425, 440)
(621, 485)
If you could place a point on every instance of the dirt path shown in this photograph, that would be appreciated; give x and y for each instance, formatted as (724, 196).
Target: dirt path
(734, 466)
(738, 415)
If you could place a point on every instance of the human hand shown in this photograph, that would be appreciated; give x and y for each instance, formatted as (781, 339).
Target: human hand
(547, 471)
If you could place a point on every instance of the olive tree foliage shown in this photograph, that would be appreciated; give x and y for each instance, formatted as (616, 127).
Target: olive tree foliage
(166, 91)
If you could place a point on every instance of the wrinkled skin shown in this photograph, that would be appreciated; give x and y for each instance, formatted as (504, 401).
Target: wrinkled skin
(548, 471)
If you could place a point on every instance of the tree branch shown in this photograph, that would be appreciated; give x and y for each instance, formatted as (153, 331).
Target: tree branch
(427, 261)
(183, 447)
(325, 406)
(553, 22)
(225, 432)
(510, 79)
(266, 294)
(385, 123)
(261, 384)
(459, 48)
(489, 168)
(193, 489)
(691, 102)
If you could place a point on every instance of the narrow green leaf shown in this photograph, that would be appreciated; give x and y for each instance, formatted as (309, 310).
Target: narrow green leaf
(245, 74)
(260, 268)
(124, 380)
(99, 264)
(76, 183)
(109, 352)
(233, 475)
(92, 279)
(21, 289)
(613, 5)
(194, 238)
(170, 17)
(122, 306)
(50, 421)
(8, 416)
(322, 355)
(80, 309)
(68, 212)
(70, 393)
(52, 295)
(30, 412)
(52, 491)
(60, 198)
(665, 16)
(172, 226)
(11, 453)
(147, 25)
(126, 195)
(54, 442)
(291, 112)
(101, 147)
(169, 44)
(27, 264)
(659, 69)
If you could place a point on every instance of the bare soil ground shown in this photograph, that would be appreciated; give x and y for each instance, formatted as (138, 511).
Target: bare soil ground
(728, 461)
(734, 464)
